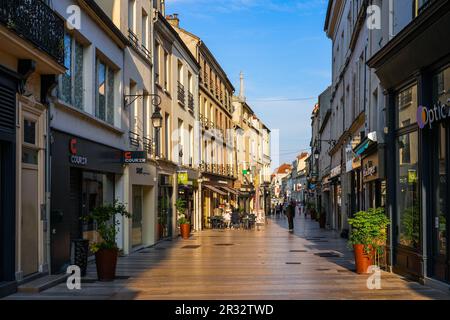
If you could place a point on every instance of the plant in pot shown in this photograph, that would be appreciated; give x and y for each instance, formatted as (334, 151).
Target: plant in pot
(106, 250)
(183, 221)
(368, 237)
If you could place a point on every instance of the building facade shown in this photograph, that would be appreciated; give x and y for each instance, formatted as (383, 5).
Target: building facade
(416, 98)
(31, 58)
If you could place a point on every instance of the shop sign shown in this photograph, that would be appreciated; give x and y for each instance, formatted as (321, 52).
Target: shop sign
(134, 157)
(440, 112)
(183, 178)
(412, 176)
(369, 171)
(335, 172)
(74, 157)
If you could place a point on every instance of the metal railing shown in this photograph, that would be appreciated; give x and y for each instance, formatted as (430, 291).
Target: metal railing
(133, 38)
(191, 101)
(146, 52)
(149, 146)
(135, 139)
(181, 93)
(138, 47)
(36, 22)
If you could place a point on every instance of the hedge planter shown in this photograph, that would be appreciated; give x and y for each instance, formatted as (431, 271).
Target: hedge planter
(106, 262)
(185, 230)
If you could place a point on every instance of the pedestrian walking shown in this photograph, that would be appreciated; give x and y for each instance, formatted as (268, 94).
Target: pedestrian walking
(290, 214)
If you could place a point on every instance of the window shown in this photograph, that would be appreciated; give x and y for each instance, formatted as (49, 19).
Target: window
(131, 15)
(71, 86)
(180, 142)
(29, 131)
(166, 71)
(408, 219)
(104, 104)
(407, 106)
(157, 64)
(145, 30)
(191, 146)
(167, 136)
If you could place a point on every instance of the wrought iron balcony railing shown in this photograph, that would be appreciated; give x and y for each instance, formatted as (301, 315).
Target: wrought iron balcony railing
(149, 146)
(36, 22)
(135, 139)
(205, 79)
(191, 101)
(133, 39)
(146, 52)
(181, 93)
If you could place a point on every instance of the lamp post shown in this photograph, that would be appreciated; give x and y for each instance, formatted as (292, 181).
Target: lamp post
(157, 124)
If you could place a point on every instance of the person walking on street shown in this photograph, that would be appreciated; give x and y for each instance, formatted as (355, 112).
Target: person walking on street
(290, 214)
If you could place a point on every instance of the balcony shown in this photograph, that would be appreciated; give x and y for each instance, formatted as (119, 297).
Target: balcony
(181, 93)
(140, 49)
(146, 52)
(149, 146)
(205, 79)
(133, 39)
(135, 140)
(191, 101)
(36, 22)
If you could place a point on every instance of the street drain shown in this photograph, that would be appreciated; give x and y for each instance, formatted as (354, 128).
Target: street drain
(322, 269)
(327, 255)
(191, 247)
(299, 251)
(88, 280)
(122, 277)
(224, 244)
(293, 263)
(346, 271)
(320, 241)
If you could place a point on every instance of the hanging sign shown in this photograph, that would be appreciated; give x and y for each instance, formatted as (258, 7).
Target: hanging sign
(134, 157)
(183, 178)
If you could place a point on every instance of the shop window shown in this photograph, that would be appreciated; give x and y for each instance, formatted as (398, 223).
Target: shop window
(104, 106)
(407, 107)
(71, 86)
(408, 219)
(29, 132)
(137, 215)
(97, 190)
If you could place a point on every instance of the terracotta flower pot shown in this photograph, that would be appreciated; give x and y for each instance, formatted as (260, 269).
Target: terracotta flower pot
(106, 261)
(185, 230)
(362, 260)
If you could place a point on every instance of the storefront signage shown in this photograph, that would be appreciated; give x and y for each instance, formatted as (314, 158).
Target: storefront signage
(428, 116)
(183, 178)
(412, 176)
(134, 157)
(335, 172)
(74, 157)
(369, 171)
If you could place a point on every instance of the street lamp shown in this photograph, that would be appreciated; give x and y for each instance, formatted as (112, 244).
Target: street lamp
(157, 118)
(316, 154)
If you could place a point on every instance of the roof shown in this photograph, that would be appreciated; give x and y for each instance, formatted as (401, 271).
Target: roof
(302, 155)
(284, 168)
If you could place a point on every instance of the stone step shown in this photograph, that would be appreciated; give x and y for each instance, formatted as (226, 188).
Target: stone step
(42, 283)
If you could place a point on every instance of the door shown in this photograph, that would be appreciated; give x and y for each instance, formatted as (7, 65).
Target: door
(29, 220)
(440, 221)
(137, 215)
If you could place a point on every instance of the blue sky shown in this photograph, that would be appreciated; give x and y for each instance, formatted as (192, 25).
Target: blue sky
(282, 49)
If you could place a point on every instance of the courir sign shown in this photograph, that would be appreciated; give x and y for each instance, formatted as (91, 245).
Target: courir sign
(428, 116)
(134, 157)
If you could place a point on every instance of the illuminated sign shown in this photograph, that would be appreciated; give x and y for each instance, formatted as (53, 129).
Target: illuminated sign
(74, 157)
(134, 157)
(439, 112)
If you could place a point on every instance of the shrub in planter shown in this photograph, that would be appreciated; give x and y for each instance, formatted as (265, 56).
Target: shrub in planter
(183, 221)
(106, 250)
(368, 237)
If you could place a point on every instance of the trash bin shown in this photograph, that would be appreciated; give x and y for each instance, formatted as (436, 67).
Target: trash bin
(80, 252)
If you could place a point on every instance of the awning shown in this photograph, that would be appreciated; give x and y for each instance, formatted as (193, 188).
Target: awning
(214, 189)
(230, 190)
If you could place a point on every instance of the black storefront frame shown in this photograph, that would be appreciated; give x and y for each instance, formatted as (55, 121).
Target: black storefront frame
(426, 173)
(9, 83)
(101, 159)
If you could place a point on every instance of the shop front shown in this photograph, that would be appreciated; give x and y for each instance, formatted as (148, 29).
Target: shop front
(84, 175)
(165, 206)
(187, 191)
(417, 162)
(336, 198)
(373, 183)
(142, 205)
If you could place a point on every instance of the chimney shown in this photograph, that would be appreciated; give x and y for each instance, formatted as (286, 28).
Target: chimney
(163, 8)
(174, 20)
(241, 89)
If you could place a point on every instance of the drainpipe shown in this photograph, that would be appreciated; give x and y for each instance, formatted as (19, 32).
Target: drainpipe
(48, 188)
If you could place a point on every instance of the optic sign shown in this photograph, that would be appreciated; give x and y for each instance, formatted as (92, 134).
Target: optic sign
(429, 116)
(74, 158)
(134, 157)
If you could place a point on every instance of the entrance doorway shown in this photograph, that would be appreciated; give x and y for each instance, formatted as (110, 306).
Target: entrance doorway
(138, 198)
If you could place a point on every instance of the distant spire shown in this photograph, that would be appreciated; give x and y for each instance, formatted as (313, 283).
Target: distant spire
(242, 88)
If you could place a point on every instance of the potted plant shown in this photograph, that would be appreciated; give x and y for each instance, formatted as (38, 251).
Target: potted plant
(183, 221)
(368, 237)
(106, 250)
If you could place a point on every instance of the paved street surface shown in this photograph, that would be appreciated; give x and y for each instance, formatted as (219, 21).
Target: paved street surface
(240, 264)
